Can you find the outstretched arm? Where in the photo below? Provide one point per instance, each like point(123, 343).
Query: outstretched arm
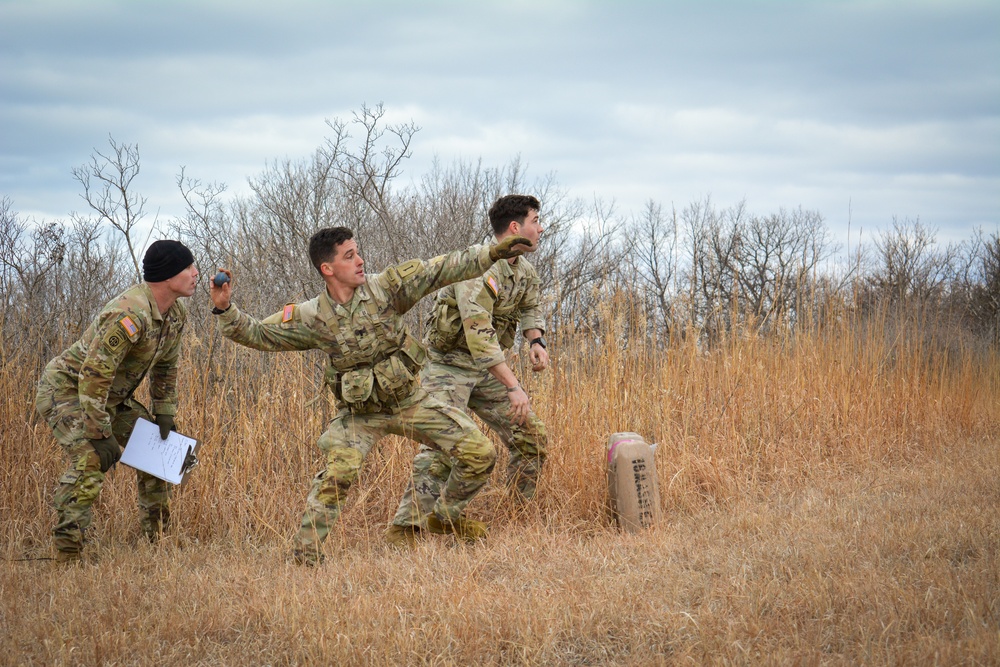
point(411, 281)
point(283, 331)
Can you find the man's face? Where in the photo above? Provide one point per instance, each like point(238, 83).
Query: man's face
point(531, 228)
point(347, 267)
point(185, 282)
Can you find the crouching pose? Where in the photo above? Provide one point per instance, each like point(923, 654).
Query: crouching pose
point(85, 394)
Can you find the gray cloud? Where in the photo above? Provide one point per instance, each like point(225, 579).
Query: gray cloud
point(888, 107)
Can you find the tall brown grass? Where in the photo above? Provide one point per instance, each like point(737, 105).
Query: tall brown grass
point(831, 497)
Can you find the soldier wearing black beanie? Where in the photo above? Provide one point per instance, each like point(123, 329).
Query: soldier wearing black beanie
point(91, 385)
point(164, 260)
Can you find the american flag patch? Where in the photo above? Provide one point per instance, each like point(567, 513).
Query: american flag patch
point(491, 282)
point(286, 314)
point(129, 326)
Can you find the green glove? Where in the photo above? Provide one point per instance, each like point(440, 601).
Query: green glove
point(166, 424)
point(511, 246)
point(108, 451)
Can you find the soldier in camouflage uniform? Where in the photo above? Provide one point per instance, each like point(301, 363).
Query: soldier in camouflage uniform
point(85, 394)
point(373, 371)
point(470, 327)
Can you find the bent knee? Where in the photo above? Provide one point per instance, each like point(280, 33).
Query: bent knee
point(477, 454)
point(80, 487)
point(343, 464)
point(431, 463)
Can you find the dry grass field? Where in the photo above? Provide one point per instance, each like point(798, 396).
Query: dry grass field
point(829, 498)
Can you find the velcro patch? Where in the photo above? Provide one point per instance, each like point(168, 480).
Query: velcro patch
point(397, 274)
point(491, 284)
point(288, 313)
point(407, 269)
point(114, 339)
point(130, 328)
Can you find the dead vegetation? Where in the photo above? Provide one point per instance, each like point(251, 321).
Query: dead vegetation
point(828, 452)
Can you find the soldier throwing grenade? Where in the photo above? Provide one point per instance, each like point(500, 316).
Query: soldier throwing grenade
point(373, 367)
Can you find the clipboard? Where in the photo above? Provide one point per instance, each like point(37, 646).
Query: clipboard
point(169, 460)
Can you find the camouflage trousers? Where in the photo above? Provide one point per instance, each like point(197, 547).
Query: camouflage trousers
point(422, 418)
point(487, 398)
point(80, 485)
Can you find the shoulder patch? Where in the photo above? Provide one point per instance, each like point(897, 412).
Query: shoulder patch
point(114, 339)
point(288, 313)
point(395, 275)
point(407, 269)
point(131, 330)
point(492, 286)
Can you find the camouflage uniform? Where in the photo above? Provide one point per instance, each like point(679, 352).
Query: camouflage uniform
point(86, 394)
point(373, 371)
point(467, 332)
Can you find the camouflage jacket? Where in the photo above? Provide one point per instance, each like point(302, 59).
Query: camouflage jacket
point(127, 338)
point(374, 362)
point(472, 323)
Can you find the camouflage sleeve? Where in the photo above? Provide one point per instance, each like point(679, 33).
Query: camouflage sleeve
point(110, 344)
point(531, 307)
point(410, 281)
point(475, 304)
point(163, 377)
point(281, 332)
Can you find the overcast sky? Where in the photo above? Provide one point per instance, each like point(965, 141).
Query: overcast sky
point(856, 109)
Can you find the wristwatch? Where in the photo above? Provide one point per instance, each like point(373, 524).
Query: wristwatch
point(537, 341)
point(219, 311)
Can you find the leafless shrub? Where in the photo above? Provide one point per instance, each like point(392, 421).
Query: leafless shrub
point(107, 188)
point(53, 279)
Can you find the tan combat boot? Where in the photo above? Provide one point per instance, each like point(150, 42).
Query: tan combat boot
point(307, 557)
point(403, 537)
point(467, 530)
point(69, 557)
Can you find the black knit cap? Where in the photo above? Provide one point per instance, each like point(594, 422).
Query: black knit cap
point(164, 260)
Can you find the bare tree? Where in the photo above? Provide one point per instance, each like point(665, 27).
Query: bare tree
point(746, 269)
point(585, 264)
point(652, 257)
point(367, 172)
point(107, 188)
point(976, 289)
point(26, 257)
point(776, 255)
point(713, 240)
point(908, 266)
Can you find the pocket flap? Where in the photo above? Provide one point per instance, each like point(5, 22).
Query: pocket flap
point(356, 385)
point(392, 374)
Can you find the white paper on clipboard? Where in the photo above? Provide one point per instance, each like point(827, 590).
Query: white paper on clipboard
point(164, 459)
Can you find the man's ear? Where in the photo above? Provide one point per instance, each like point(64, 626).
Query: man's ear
point(325, 269)
point(514, 227)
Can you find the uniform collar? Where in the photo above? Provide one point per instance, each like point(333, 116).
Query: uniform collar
point(328, 307)
point(507, 269)
point(154, 310)
point(361, 294)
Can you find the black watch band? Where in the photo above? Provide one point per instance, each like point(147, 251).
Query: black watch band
point(219, 311)
point(537, 341)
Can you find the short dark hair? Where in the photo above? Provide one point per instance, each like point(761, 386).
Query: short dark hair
point(509, 208)
point(323, 244)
